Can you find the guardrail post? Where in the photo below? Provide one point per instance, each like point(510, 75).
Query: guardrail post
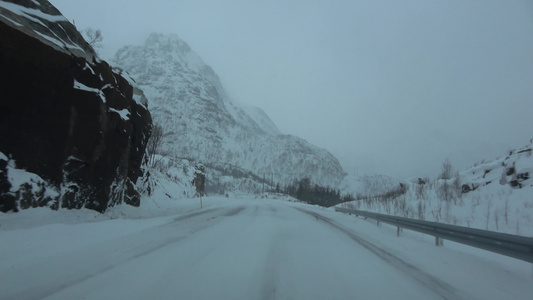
point(398, 231)
point(438, 241)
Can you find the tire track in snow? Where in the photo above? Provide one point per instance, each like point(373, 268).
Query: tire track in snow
point(129, 249)
point(276, 256)
point(270, 275)
point(439, 287)
point(193, 214)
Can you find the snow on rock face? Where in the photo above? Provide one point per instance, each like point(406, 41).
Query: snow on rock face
point(41, 20)
point(202, 124)
point(7, 200)
point(515, 169)
point(65, 117)
point(22, 189)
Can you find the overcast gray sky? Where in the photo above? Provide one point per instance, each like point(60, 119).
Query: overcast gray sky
point(389, 87)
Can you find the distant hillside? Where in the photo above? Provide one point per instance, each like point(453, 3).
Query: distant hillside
point(492, 194)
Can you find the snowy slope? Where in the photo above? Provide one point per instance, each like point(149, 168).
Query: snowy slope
point(203, 125)
point(492, 195)
point(515, 169)
point(239, 249)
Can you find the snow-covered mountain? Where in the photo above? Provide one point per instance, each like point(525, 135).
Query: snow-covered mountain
point(203, 125)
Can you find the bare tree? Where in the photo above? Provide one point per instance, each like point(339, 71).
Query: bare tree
point(421, 209)
point(446, 170)
point(94, 37)
point(155, 141)
point(489, 205)
point(420, 189)
point(506, 211)
point(457, 187)
point(446, 191)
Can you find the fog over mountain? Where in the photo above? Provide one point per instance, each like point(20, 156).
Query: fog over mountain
point(202, 124)
point(388, 87)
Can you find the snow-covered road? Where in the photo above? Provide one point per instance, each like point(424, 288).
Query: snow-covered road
point(245, 249)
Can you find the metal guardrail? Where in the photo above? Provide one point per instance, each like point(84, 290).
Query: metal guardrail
point(515, 246)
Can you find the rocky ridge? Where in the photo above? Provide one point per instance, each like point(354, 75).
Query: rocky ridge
point(72, 130)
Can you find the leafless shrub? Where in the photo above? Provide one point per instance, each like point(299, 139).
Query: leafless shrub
point(447, 210)
point(421, 210)
point(457, 188)
point(437, 212)
point(506, 211)
point(153, 146)
point(489, 205)
point(446, 170)
point(94, 37)
point(420, 191)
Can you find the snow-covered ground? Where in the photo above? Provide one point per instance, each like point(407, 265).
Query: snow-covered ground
point(239, 248)
point(498, 195)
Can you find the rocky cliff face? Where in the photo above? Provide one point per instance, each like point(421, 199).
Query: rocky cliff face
point(238, 145)
point(67, 118)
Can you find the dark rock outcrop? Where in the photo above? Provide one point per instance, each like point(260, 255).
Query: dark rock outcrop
point(7, 199)
point(65, 115)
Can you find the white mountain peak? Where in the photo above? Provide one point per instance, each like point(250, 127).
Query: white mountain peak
point(202, 123)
